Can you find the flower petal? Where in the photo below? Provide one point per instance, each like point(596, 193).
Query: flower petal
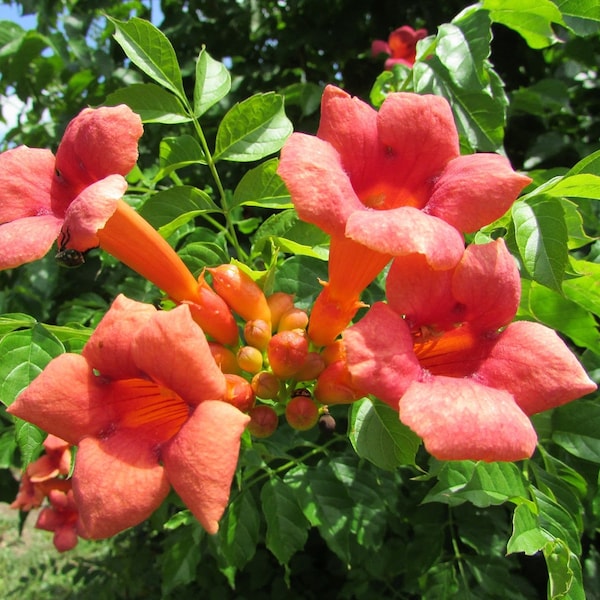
point(487, 282)
point(109, 348)
point(117, 483)
point(66, 399)
point(98, 143)
point(460, 419)
point(532, 363)
point(25, 182)
point(173, 350)
point(475, 190)
point(27, 239)
point(379, 354)
point(90, 211)
point(321, 191)
point(201, 459)
point(407, 230)
point(421, 293)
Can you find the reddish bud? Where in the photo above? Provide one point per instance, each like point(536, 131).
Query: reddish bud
point(250, 359)
point(224, 358)
point(266, 385)
point(239, 392)
point(241, 292)
point(334, 385)
point(279, 303)
point(334, 352)
point(257, 333)
point(287, 352)
point(294, 318)
point(263, 421)
point(312, 367)
point(302, 413)
point(213, 315)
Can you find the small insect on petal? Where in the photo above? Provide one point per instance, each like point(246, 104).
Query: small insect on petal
point(69, 258)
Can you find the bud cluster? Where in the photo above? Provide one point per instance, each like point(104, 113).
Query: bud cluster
point(273, 370)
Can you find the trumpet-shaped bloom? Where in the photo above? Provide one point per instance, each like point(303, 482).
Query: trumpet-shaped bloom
point(76, 198)
point(75, 192)
point(143, 403)
point(401, 46)
point(385, 184)
point(444, 353)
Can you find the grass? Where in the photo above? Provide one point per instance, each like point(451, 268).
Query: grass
point(32, 569)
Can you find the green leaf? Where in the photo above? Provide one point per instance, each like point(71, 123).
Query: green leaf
point(556, 520)
point(377, 434)
point(527, 536)
point(299, 275)
point(238, 534)
point(564, 572)
point(459, 70)
point(151, 51)
point(178, 152)
point(585, 289)
point(560, 313)
point(305, 95)
point(180, 559)
point(541, 236)
point(168, 209)
point(576, 428)
point(481, 484)
point(11, 321)
point(581, 16)
point(574, 221)
point(262, 186)
point(253, 129)
point(199, 255)
point(153, 103)
point(287, 527)
point(23, 356)
point(212, 83)
point(589, 164)
point(532, 19)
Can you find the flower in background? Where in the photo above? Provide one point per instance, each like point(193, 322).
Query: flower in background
point(144, 404)
point(60, 517)
point(443, 353)
point(401, 46)
point(385, 184)
point(44, 474)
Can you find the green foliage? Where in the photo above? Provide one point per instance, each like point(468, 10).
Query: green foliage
point(362, 511)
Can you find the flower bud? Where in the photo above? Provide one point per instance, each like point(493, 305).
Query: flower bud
point(250, 359)
point(312, 367)
point(302, 413)
point(241, 292)
point(266, 385)
point(334, 385)
point(287, 352)
point(333, 352)
point(239, 392)
point(294, 318)
point(263, 421)
point(257, 333)
point(224, 357)
point(279, 303)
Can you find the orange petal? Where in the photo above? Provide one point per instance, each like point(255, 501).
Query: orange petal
point(201, 459)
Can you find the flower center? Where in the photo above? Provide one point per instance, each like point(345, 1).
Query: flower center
point(447, 353)
point(384, 196)
point(146, 406)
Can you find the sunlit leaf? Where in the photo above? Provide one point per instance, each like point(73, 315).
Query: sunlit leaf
point(253, 129)
point(178, 152)
point(262, 186)
point(212, 83)
point(577, 429)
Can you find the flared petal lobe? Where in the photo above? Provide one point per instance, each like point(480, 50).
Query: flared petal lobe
point(97, 143)
point(201, 460)
point(460, 419)
point(117, 483)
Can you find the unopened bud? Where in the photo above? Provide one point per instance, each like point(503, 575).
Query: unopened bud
point(239, 392)
point(287, 352)
point(334, 385)
point(302, 413)
point(334, 352)
point(224, 358)
point(241, 292)
point(263, 421)
point(266, 385)
point(257, 333)
point(250, 359)
point(279, 303)
point(294, 318)
point(312, 367)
